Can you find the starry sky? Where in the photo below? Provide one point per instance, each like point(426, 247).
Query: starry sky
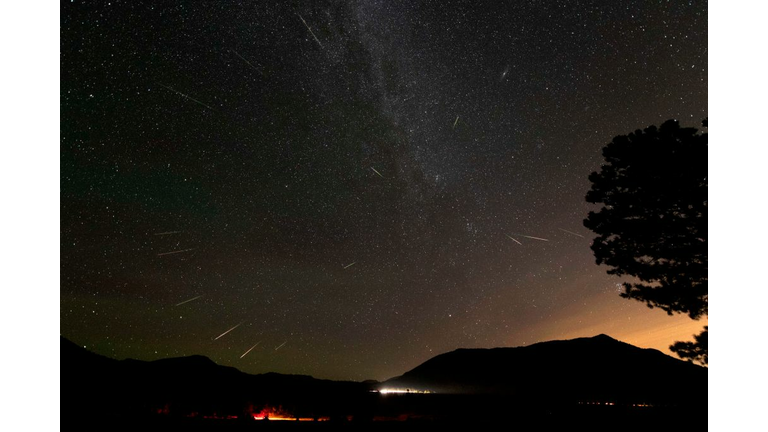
point(351, 187)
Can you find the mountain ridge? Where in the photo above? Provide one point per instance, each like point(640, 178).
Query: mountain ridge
point(560, 373)
point(598, 367)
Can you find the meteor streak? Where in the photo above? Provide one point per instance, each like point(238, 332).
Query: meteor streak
point(249, 63)
point(571, 232)
point(456, 122)
point(504, 74)
point(186, 96)
point(217, 338)
point(187, 301)
point(374, 170)
point(249, 349)
point(310, 30)
point(175, 252)
point(510, 237)
point(349, 265)
point(167, 233)
point(531, 237)
point(281, 345)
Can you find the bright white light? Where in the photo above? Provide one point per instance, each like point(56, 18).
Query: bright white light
point(388, 391)
point(397, 391)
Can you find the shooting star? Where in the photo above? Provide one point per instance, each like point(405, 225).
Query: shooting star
point(250, 349)
point(187, 301)
point(281, 345)
point(456, 122)
point(531, 237)
point(249, 63)
point(175, 252)
point(374, 170)
point(349, 265)
point(217, 338)
point(504, 74)
point(510, 237)
point(168, 233)
point(310, 31)
point(187, 96)
point(571, 232)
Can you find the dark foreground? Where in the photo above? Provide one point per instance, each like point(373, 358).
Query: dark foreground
point(528, 388)
point(412, 412)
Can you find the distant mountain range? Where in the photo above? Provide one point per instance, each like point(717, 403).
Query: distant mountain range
point(597, 370)
point(192, 386)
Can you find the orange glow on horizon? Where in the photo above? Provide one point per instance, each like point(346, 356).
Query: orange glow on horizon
point(269, 413)
point(627, 321)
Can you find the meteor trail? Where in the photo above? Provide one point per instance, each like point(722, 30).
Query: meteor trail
point(186, 96)
point(571, 232)
point(249, 63)
point(167, 233)
point(510, 237)
point(456, 122)
point(349, 265)
point(281, 345)
point(310, 30)
point(531, 237)
point(187, 301)
point(504, 74)
point(228, 331)
point(374, 170)
point(175, 252)
point(249, 349)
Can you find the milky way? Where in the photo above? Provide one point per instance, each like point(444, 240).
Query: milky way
point(246, 155)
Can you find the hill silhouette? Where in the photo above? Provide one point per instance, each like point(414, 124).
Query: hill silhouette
point(555, 382)
point(592, 369)
point(104, 388)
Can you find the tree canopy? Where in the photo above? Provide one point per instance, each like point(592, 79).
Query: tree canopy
point(653, 222)
point(695, 351)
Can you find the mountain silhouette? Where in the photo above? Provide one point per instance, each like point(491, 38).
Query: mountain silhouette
point(552, 382)
point(106, 389)
point(596, 369)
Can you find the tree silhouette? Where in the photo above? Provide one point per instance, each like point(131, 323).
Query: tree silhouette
point(696, 351)
point(653, 223)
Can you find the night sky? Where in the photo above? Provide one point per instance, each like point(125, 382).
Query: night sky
point(353, 186)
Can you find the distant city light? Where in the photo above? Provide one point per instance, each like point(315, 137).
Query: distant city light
point(399, 391)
